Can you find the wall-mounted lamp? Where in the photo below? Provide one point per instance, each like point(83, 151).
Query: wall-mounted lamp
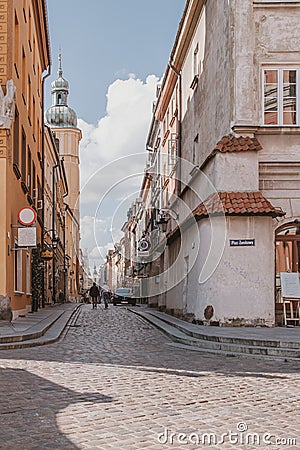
point(162, 221)
point(54, 242)
point(164, 217)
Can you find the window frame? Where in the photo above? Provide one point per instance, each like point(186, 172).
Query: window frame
point(280, 69)
point(18, 270)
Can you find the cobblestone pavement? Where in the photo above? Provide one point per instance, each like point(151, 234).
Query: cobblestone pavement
point(114, 382)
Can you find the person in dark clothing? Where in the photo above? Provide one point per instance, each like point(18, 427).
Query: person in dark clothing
point(106, 298)
point(94, 294)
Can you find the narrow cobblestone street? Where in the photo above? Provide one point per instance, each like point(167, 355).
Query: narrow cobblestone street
point(114, 381)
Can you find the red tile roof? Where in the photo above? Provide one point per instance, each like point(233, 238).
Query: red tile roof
point(230, 204)
point(237, 203)
point(230, 143)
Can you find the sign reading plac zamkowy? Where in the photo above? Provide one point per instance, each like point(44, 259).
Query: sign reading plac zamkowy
point(242, 242)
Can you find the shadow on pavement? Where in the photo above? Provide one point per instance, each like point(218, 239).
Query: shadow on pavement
point(28, 415)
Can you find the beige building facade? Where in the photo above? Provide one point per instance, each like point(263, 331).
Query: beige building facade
point(63, 122)
point(224, 152)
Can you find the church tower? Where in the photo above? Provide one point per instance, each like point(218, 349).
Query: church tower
point(63, 122)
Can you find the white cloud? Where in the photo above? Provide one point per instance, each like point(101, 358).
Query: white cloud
point(105, 164)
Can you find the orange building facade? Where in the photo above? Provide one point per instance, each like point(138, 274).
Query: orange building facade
point(24, 57)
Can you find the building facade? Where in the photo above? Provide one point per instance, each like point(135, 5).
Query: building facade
point(25, 56)
point(224, 154)
point(63, 122)
point(54, 231)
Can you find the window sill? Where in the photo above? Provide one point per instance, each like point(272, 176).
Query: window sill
point(194, 82)
point(18, 293)
point(24, 187)
point(278, 129)
point(266, 129)
point(17, 171)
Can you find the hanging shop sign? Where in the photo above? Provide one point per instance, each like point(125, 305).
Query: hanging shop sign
point(27, 216)
point(144, 245)
point(27, 237)
point(47, 255)
point(242, 242)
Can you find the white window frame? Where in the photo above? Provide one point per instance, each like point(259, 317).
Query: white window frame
point(28, 274)
point(280, 69)
point(18, 270)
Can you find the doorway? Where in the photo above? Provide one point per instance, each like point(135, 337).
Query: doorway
point(287, 259)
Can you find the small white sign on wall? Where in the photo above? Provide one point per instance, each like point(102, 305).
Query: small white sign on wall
point(290, 285)
point(27, 237)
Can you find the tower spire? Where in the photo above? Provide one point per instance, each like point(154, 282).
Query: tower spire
point(59, 64)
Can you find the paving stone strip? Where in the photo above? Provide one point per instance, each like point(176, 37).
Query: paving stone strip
point(114, 381)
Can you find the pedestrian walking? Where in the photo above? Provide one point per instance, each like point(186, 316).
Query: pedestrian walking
point(94, 294)
point(61, 296)
point(106, 298)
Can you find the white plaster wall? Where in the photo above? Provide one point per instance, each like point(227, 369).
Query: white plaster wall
point(277, 31)
point(189, 247)
point(206, 108)
point(242, 285)
point(242, 27)
point(234, 172)
point(279, 170)
point(188, 69)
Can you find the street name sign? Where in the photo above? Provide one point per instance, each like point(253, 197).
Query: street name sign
point(242, 242)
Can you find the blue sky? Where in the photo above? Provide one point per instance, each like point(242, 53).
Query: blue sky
point(103, 40)
point(114, 54)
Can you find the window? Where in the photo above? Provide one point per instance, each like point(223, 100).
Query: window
point(16, 138)
point(29, 29)
point(23, 75)
point(34, 190)
point(29, 181)
point(195, 68)
point(29, 98)
point(195, 155)
point(33, 117)
point(16, 44)
point(23, 160)
point(281, 100)
point(28, 274)
point(18, 269)
point(196, 61)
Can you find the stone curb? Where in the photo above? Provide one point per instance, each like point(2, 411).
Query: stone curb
point(183, 336)
point(50, 333)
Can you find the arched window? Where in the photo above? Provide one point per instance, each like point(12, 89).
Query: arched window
point(59, 99)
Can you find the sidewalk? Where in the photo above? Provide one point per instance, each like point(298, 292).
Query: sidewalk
point(42, 327)
point(279, 342)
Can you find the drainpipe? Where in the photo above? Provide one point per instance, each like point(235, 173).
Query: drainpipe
point(178, 73)
point(43, 175)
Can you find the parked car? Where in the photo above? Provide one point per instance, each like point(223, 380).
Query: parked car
point(123, 295)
